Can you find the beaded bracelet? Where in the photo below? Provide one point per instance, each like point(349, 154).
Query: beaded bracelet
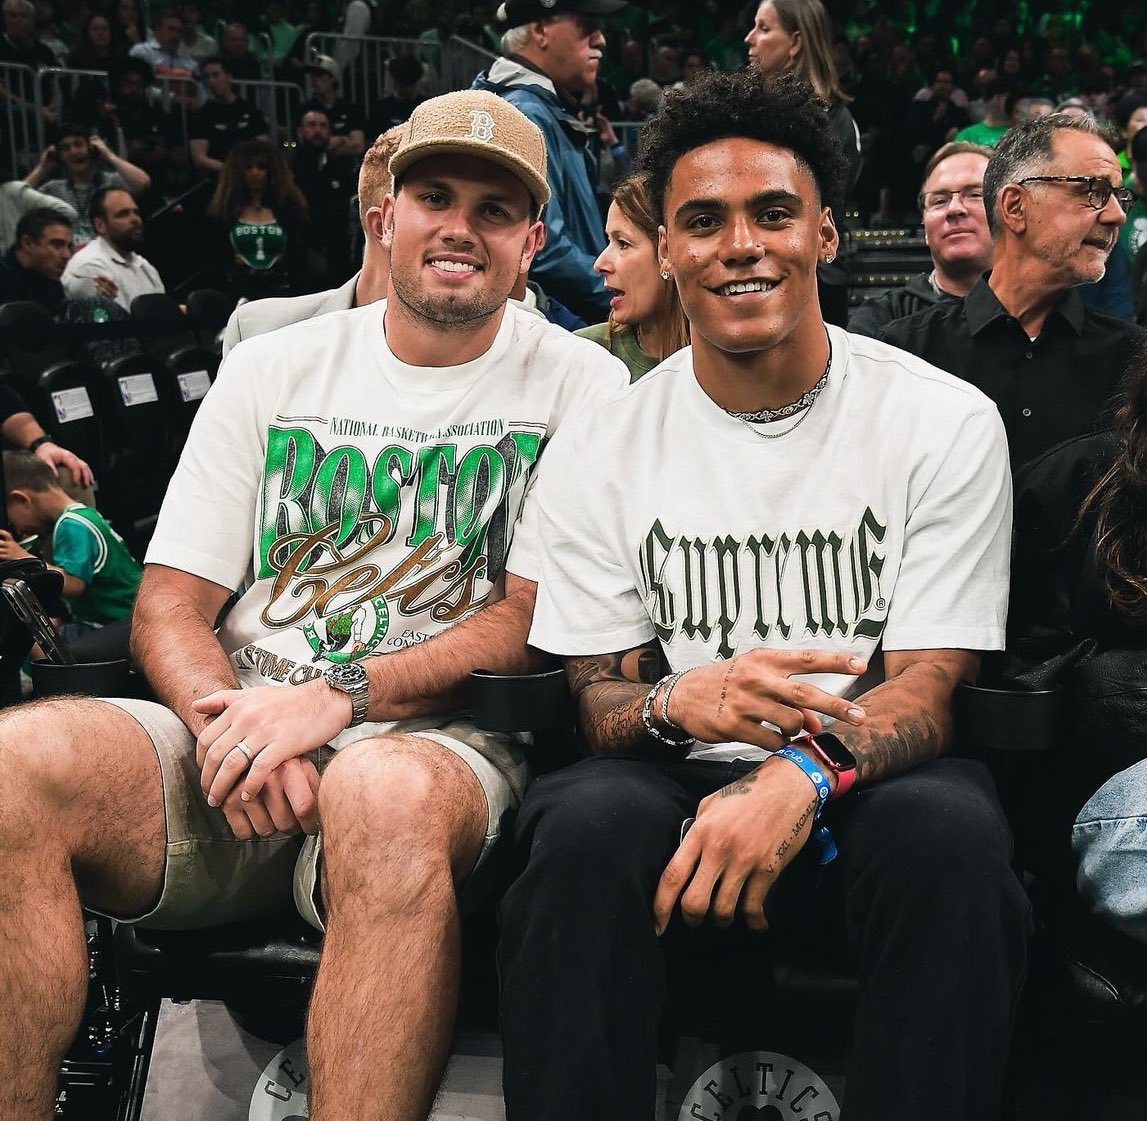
point(647, 713)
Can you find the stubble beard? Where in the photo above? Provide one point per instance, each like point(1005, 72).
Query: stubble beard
point(446, 313)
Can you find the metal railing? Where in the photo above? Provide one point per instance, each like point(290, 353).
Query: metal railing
point(279, 102)
point(462, 62)
point(22, 119)
point(362, 61)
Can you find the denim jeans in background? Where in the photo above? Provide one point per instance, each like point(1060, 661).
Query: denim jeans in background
point(1110, 838)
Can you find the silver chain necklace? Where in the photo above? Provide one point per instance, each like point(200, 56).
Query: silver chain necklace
point(805, 401)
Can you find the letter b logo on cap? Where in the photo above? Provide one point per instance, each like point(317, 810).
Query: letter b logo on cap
point(481, 126)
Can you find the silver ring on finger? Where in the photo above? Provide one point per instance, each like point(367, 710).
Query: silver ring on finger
point(242, 746)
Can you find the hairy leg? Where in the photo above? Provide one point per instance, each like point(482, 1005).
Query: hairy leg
point(81, 817)
point(403, 822)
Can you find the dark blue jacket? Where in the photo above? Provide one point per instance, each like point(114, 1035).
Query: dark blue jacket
point(575, 234)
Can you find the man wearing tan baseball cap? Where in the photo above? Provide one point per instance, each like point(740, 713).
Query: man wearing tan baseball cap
point(360, 475)
point(551, 50)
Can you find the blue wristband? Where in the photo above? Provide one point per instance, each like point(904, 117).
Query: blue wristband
point(819, 779)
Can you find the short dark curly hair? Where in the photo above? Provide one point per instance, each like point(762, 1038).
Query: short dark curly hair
point(776, 110)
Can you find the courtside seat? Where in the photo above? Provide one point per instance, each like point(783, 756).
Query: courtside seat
point(30, 340)
point(80, 418)
point(189, 373)
point(210, 308)
point(166, 327)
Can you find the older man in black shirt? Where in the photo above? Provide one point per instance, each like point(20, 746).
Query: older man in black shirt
point(32, 268)
point(1055, 202)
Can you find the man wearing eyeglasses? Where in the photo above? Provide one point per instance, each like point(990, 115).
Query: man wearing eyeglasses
point(956, 230)
point(1055, 202)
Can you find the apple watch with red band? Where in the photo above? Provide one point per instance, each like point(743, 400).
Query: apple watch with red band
point(837, 758)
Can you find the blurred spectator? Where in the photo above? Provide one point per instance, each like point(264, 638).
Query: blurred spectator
point(693, 65)
point(112, 266)
point(127, 25)
point(665, 66)
point(996, 121)
point(223, 121)
point(95, 49)
point(348, 135)
point(1012, 66)
point(48, 31)
point(644, 101)
point(981, 56)
point(169, 62)
point(235, 47)
point(1130, 116)
point(195, 41)
point(328, 184)
point(1074, 107)
point(980, 87)
point(78, 157)
point(1133, 235)
point(19, 44)
point(956, 230)
point(550, 52)
point(1058, 80)
point(18, 199)
point(151, 134)
point(936, 118)
point(632, 60)
point(32, 268)
point(795, 37)
point(1027, 107)
point(646, 323)
point(261, 223)
point(405, 73)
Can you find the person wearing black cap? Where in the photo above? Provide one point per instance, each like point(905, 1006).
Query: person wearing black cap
point(550, 53)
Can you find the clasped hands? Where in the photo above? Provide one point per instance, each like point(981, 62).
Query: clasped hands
point(746, 833)
point(251, 754)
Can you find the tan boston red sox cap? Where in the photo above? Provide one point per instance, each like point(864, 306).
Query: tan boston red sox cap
point(476, 123)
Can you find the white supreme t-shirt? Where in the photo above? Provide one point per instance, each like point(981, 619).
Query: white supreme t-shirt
point(882, 521)
point(361, 503)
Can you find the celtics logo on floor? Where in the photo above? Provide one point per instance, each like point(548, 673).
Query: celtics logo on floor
point(281, 1092)
point(345, 634)
point(758, 1086)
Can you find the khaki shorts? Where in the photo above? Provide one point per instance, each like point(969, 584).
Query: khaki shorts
point(211, 878)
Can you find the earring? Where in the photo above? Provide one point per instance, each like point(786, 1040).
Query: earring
point(830, 258)
point(665, 274)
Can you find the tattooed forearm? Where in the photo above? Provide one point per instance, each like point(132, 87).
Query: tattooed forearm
point(909, 716)
point(610, 689)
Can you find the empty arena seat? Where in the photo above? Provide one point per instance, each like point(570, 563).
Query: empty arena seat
point(80, 420)
point(30, 340)
point(165, 328)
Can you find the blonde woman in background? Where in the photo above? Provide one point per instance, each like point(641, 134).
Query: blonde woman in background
point(646, 323)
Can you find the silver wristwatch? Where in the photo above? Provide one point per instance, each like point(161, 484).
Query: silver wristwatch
point(351, 678)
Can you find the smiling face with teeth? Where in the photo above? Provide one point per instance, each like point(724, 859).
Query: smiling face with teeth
point(460, 233)
point(744, 229)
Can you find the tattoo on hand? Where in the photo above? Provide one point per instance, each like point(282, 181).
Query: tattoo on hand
point(809, 810)
point(782, 848)
point(724, 689)
point(740, 786)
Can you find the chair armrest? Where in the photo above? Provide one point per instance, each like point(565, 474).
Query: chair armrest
point(1007, 720)
point(530, 702)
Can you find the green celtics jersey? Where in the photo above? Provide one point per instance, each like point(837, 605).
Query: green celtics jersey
point(86, 547)
point(260, 245)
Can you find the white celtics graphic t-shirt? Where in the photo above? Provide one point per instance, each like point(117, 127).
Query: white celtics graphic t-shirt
point(882, 522)
point(363, 504)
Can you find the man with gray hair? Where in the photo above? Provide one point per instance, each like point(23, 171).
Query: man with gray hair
point(1055, 201)
point(551, 52)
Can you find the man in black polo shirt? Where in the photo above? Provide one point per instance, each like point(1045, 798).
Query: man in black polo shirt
point(32, 268)
point(1055, 202)
point(348, 134)
point(223, 121)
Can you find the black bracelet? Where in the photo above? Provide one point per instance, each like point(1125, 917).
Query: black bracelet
point(39, 442)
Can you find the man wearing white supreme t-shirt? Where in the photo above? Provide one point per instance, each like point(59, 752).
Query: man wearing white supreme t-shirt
point(358, 478)
point(782, 526)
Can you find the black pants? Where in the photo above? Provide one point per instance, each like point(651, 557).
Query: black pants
point(921, 895)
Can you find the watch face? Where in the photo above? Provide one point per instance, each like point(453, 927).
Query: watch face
point(834, 751)
point(348, 673)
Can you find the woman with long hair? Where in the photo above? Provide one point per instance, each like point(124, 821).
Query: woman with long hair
point(261, 217)
point(646, 323)
point(795, 37)
point(95, 48)
point(1078, 620)
point(127, 24)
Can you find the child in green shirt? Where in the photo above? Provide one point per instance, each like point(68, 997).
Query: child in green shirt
point(100, 575)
